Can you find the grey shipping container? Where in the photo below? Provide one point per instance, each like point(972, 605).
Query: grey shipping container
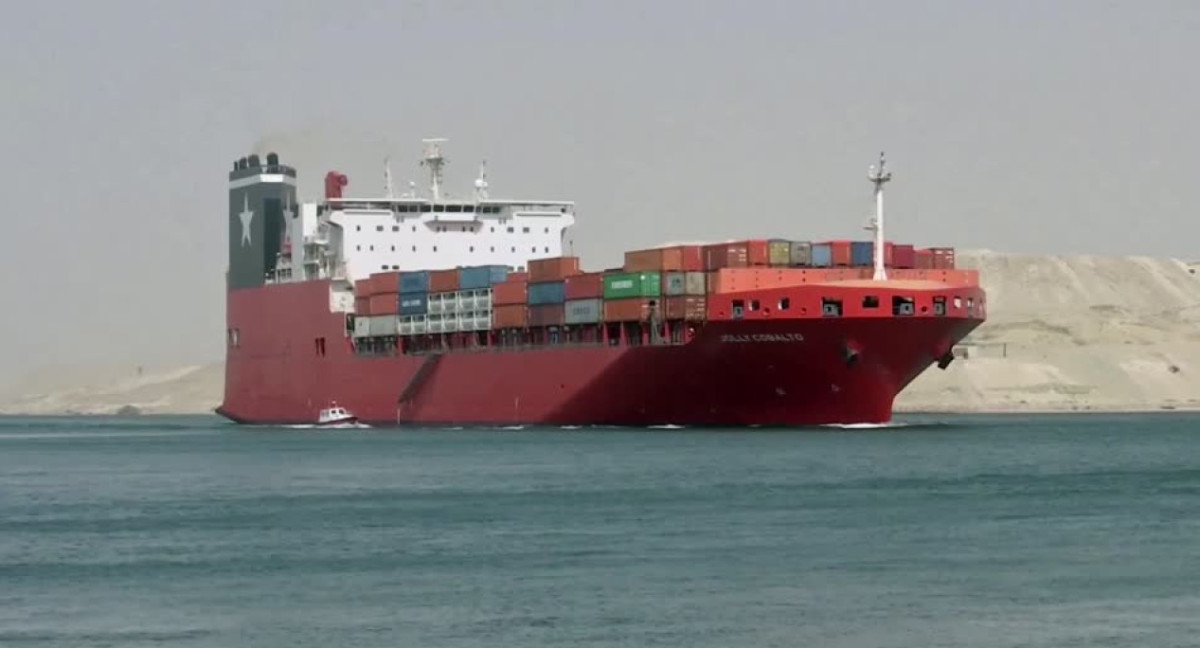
point(694, 284)
point(674, 283)
point(801, 253)
point(385, 325)
point(584, 311)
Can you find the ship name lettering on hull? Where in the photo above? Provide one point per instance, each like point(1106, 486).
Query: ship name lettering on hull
point(763, 337)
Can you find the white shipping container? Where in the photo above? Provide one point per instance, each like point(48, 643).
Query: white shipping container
point(362, 326)
point(584, 311)
point(382, 325)
point(694, 283)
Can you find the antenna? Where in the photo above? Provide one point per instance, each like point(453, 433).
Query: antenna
point(878, 176)
point(387, 178)
point(481, 183)
point(435, 162)
point(412, 190)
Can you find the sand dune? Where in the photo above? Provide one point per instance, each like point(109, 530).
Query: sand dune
point(1074, 333)
point(1063, 333)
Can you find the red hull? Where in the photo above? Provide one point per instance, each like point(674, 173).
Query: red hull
point(753, 371)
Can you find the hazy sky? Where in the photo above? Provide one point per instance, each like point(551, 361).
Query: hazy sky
point(1027, 126)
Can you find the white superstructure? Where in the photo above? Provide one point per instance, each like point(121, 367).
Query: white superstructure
point(350, 238)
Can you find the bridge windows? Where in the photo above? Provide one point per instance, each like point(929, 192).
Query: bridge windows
point(379, 228)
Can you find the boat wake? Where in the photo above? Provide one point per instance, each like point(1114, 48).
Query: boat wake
point(868, 426)
point(333, 426)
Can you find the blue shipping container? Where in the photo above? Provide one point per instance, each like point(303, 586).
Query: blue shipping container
point(862, 253)
point(414, 304)
point(822, 255)
point(481, 277)
point(550, 292)
point(414, 282)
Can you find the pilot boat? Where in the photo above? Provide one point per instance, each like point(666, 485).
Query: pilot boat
point(336, 415)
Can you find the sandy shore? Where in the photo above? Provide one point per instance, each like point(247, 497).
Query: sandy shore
point(1064, 334)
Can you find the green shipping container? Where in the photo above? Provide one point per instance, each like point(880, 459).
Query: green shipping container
point(779, 253)
point(632, 284)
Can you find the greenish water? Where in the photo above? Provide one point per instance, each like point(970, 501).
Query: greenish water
point(971, 531)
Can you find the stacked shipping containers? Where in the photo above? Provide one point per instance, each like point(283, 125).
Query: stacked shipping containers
point(554, 292)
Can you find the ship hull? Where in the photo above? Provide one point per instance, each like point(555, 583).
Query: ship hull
point(293, 356)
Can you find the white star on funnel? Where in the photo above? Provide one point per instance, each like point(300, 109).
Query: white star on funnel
point(247, 217)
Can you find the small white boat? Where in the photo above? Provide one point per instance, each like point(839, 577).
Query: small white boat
point(336, 415)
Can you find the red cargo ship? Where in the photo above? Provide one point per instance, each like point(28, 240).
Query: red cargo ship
point(429, 310)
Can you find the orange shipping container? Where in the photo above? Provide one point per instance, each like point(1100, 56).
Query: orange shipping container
point(443, 280)
point(627, 310)
point(691, 309)
point(556, 269)
point(510, 293)
point(546, 315)
point(362, 287)
point(517, 276)
point(362, 305)
point(510, 316)
point(585, 286)
point(691, 258)
point(385, 304)
point(654, 260)
point(758, 253)
point(383, 283)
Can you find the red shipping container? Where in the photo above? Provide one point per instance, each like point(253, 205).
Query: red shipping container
point(691, 258)
point(924, 259)
point(517, 276)
point(547, 315)
point(362, 287)
point(758, 253)
point(510, 293)
point(943, 258)
point(443, 280)
point(510, 316)
point(904, 256)
point(383, 283)
point(385, 304)
point(589, 285)
point(726, 255)
point(627, 310)
point(556, 269)
point(654, 260)
point(691, 309)
point(362, 305)
point(840, 251)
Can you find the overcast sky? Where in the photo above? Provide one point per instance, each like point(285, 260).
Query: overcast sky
point(1028, 126)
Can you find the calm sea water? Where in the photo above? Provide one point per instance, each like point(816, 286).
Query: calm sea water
point(979, 531)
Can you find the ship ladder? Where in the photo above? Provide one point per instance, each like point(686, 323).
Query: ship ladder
point(413, 388)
